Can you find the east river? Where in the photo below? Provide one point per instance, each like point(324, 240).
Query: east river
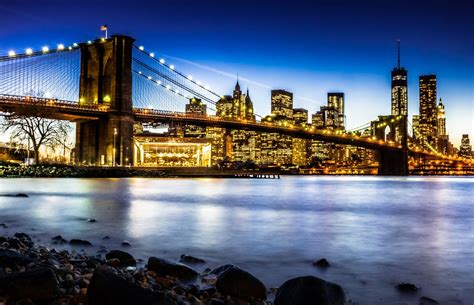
point(374, 231)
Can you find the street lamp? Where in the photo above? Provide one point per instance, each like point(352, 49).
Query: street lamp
point(113, 157)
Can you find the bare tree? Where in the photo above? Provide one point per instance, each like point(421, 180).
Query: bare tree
point(38, 129)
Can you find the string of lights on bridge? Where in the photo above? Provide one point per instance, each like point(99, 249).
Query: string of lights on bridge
point(60, 47)
point(172, 68)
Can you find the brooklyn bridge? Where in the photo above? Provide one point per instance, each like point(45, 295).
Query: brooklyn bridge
point(109, 86)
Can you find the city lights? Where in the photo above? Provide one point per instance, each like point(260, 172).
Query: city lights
point(29, 51)
point(45, 49)
point(60, 47)
point(11, 53)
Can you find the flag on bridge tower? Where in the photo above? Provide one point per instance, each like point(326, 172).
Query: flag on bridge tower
point(104, 28)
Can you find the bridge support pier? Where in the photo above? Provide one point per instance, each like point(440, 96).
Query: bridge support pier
point(393, 163)
point(106, 79)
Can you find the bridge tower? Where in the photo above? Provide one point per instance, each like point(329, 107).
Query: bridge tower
point(392, 162)
point(106, 78)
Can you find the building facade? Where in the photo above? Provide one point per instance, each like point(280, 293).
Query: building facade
point(399, 88)
point(428, 108)
point(465, 150)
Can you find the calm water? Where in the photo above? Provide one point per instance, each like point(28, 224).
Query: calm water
point(374, 231)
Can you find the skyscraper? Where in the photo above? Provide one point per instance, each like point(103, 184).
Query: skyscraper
point(441, 119)
point(282, 103)
point(336, 101)
point(399, 88)
point(428, 108)
point(465, 150)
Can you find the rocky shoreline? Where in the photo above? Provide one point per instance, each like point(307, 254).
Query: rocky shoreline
point(36, 275)
point(32, 274)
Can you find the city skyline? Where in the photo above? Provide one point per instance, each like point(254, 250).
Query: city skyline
point(318, 64)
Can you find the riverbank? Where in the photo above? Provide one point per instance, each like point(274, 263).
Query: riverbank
point(37, 275)
point(65, 171)
point(34, 274)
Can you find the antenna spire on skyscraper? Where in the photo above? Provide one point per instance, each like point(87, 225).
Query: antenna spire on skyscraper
point(398, 46)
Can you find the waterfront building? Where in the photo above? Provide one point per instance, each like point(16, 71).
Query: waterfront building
point(158, 150)
point(465, 150)
point(428, 108)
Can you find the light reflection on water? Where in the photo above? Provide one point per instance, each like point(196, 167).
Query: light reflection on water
point(374, 231)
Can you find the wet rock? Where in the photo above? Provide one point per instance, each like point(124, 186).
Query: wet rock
point(23, 236)
point(165, 267)
point(91, 220)
point(125, 258)
point(407, 287)
point(309, 290)
point(38, 285)
point(238, 283)
point(215, 301)
point(108, 288)
point(3, 226)
point(114, 262)
point(80, 242)
point(221, 269)
point(106, 237)
point(11, 259)
point(21, 195)
point(188, 259)
point(428, 301)
point(59, 240)
point(126, 244)
point(322, 263)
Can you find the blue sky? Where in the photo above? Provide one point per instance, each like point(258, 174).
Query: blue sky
point(307, 47)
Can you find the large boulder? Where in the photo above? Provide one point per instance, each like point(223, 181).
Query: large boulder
point(164, 267)
point(309, 290)
point(238, 283)
point(108, 288)
point(125, 258)
point(39, 285)
point(12, 259)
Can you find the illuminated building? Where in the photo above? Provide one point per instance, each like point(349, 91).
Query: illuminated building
point(465, 150)
point(162, 151)
point(399, 88)
point(300, 116)
point(331, 116)
point(275, 148)
point(443, 138)
point(239, 106)
point(428, 108)
point(282, 104)
point(336, 101)
point(197, 108)
point(300, 146)
point(441, 119)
